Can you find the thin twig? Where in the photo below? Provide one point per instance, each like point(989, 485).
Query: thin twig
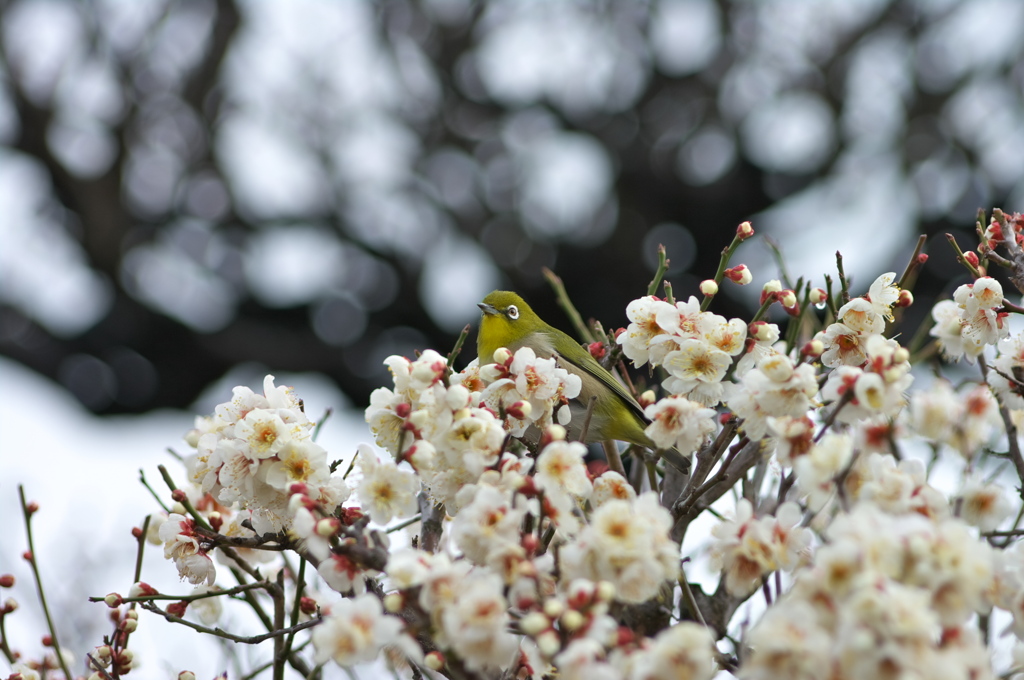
point(33, 562)
point(565, 303)
point(251, 640)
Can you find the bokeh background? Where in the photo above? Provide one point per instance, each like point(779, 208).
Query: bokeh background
point(196, 192)
point(189, 186)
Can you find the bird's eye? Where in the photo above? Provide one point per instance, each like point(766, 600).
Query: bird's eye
point(512, 311)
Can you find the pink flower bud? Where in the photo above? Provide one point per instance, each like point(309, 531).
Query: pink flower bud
point(178, 496)
point(647, 398)
point(744, 231)
point(7, 581)
point(597, 350)
point(113, 600)
point(31, 507)
point(708, 287)
point(47, 641)
point(759, 331)
point(813, 348)
point(520, 410)
point(142, 588)
point(787, 298)
point(972, 258)
point(905, 299)
point(817, 297)
point(307, 606)
point(177, 609)
point(740, 274)
point(402, 410)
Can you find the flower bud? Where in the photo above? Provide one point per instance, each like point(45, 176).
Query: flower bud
point(502, 356)
point(708, 287)
point(177, 609)
point(307, 606)
point(113, 600)
point(788, 299)
point(744, 231)
point(31, 507)
point(905, 299)
point(740, 274)
point(132, 614)
point(434, 661)
point(648, 398)
point(328, 526)
point(572, 620)
point(179, 496)
point(393, 602)
point(605, 591)
point(813, 348)
point(972, 258)
point(817, 297)
point(553, 433)
point(597, 350)
point(534, 623)
point(47, 641)
point(549, 644)
point(142, 588)
point(10, 605)
point(554, 608)
point(178, 508)
point(491, 372)
point(759, 331)
point(520, 410)
point(186, 675)
point(777, 367)
point(129, 625)
point(773, 286)
point(7, 581)
point(103, 654)
point(900, 355)
point(215, 520)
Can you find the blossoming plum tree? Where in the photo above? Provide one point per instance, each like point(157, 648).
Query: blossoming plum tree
point(476, 541)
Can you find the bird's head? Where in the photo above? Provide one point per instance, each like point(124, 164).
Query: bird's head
point(505, 322)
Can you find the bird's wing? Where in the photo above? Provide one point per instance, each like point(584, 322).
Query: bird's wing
point(583, 360)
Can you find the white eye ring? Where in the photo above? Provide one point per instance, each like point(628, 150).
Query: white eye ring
point(512, 311)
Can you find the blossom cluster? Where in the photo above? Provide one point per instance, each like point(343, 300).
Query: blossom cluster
point(518, 553)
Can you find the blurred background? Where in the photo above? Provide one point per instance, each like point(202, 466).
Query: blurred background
point(189, 186)
point(196, 192)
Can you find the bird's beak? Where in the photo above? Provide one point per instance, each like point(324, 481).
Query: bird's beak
point(486, 308)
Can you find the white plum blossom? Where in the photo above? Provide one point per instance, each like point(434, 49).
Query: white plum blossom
point(775, 388)
point(817, 470)
point(628, 544)
point(476, 623)
point(643, 327)
point(677, 422)
point(560, 468)
point(685, 651)
point(611, 486)
point(385, 491)
point(355, 631)
point(971, 320)
point(181, 541)
point(876, 389)
point(748, 548)
point(984, 505)
point(489, 523)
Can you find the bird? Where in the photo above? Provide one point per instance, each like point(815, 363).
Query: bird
point(508, 321)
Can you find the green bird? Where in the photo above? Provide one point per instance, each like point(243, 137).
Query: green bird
point(507, 321)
